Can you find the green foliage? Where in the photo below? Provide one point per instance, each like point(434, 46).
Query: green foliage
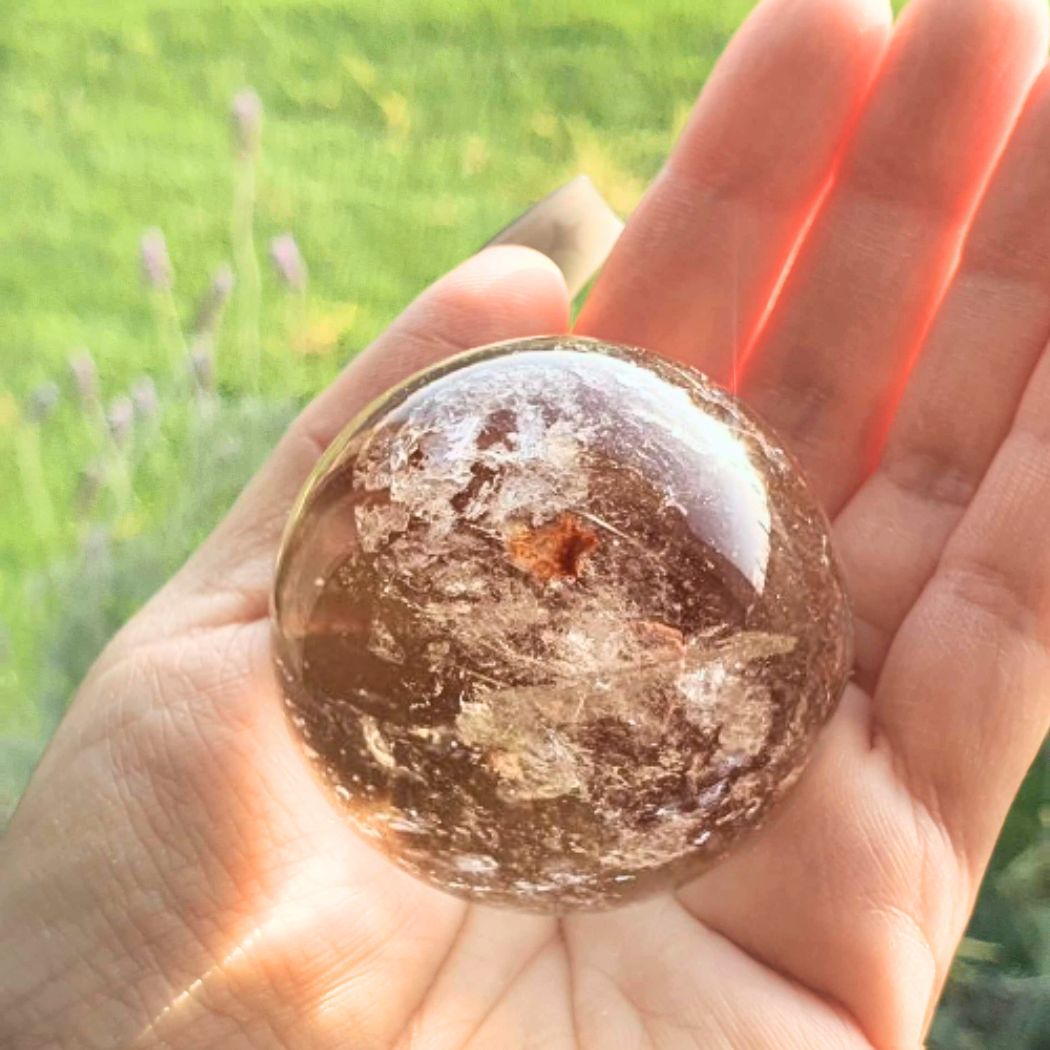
point(999, 991)
point(397, 138)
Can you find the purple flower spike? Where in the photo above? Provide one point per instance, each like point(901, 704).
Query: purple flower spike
point(288, 262)
point(144, 399)
point(85, 378)
point(153, 256)
point(42, 402)
point(121, 418)
point(214, 301)
point(246, 121)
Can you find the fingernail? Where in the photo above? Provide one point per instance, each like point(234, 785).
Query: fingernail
point(573, 226)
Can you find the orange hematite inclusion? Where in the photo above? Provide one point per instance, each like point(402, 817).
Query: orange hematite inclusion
point(552, 551)
point(557, 622)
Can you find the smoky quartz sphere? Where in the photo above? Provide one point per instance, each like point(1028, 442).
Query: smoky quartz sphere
point(557, 622)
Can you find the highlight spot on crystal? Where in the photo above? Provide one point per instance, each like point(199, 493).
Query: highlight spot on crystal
point(557, 622)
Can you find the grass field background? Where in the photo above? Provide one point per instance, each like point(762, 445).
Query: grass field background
point(397, 137)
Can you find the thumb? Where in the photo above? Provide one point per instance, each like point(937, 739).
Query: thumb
point(503, 292)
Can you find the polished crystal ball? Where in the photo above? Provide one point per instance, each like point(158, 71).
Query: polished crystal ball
point(557, 623)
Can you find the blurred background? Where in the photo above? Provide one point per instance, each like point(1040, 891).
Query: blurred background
point(209, 207)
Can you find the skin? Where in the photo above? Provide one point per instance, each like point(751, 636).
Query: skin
point(175, 878)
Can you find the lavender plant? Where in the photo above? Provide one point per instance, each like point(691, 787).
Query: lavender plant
point(291, 271)
point(144, 400)
point(162, 459)
point(246, 124)
point(159, 278)
point(84, 373)
point(213, 303)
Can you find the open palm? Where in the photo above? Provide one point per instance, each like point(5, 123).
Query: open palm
point(174, 875)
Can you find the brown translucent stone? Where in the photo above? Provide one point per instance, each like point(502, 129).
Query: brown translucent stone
point(557, 622)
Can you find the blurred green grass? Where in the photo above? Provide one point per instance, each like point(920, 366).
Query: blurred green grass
point(397, 138)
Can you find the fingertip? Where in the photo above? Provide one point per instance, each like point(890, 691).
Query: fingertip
point(1013, 28)
point(508, 263)
point(855, 14)
point(508, 287)
point(786, 88)
point(844, 16)
point(879, 12)
point(1031, 19)
point(498, 259)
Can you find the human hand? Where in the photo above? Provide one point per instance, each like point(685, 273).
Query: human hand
point(175, 877)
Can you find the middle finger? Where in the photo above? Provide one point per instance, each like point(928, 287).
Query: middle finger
point(826, 369)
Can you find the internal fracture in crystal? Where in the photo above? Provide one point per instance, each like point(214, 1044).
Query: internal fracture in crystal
point(557, 622)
